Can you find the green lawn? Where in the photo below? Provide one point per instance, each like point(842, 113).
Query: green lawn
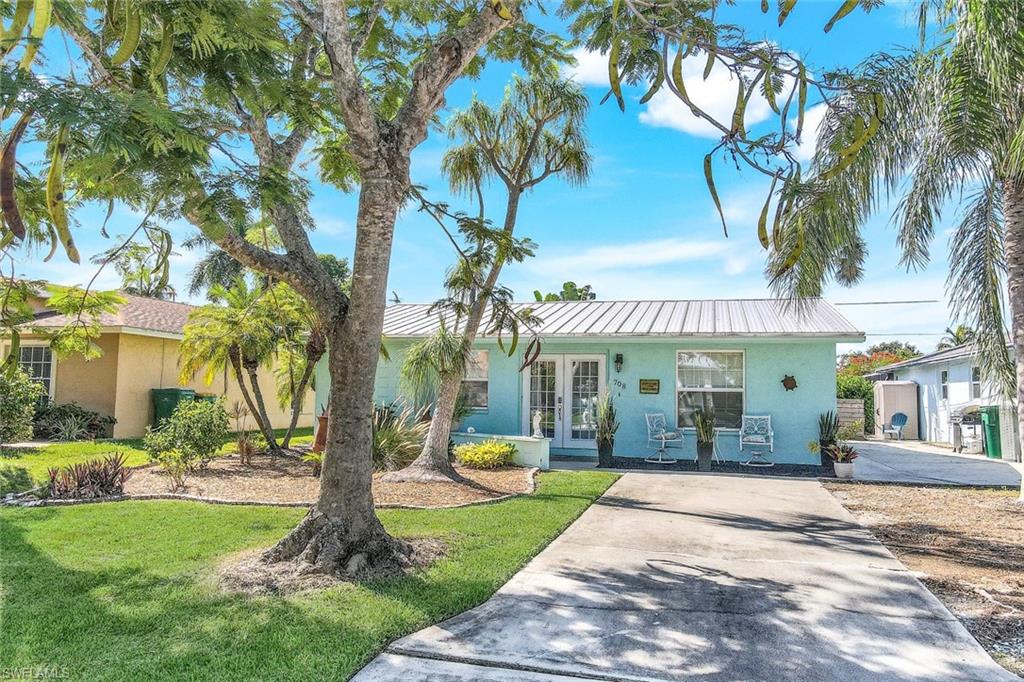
point(24, 468)
point(124, 591)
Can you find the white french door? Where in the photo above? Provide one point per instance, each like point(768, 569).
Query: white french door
point(564, 390)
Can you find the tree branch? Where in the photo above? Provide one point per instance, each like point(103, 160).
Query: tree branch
point(364, 34)
point(440, 67)
point(356, 108)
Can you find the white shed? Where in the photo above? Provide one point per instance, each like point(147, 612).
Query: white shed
point(949, 381)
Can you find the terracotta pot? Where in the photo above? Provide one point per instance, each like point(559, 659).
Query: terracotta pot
point(705, 451)
point(320, 441)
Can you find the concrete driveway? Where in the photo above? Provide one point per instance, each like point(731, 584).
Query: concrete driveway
point(673, 576)
point(912, 462)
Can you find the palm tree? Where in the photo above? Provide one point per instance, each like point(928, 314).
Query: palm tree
point(940, 124)
point(242, 334)
point(956, 337)
point(535, 133)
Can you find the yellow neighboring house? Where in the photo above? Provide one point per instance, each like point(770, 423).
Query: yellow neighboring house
point(140, 344)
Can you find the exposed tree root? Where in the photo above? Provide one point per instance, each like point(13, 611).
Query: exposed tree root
point(420, 472)
point(318, 545)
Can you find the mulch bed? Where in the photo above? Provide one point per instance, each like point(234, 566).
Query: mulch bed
point(791, 470)
point(286, 480)
point(968, 546)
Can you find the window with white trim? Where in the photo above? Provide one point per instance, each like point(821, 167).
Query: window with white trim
point(37, 363)
point(474, 385)
point(944, 384)
point(975, 383)
point(709, 380)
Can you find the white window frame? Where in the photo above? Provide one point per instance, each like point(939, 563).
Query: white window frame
point(53, 364)
point(975, 383)
point(944, 384)
point(485, 381)
point(742, 391)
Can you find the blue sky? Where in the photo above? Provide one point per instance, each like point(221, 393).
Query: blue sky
point(644, 226)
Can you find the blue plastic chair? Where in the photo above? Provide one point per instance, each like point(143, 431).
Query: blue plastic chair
point(899, 420)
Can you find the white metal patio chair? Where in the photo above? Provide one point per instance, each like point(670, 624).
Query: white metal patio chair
point(659, 437)
point(756, 430)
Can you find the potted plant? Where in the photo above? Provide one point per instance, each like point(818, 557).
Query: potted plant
point(320, 440)
point(842, 456)
point(704, 423)
point(828, 428)
point(606, 428)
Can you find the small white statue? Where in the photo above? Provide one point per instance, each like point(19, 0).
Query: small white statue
point(537, 419)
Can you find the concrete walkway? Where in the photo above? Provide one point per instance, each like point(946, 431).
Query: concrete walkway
point(921, 463)
point(702, 577)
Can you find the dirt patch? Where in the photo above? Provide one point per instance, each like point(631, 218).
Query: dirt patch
point(968, 546)
point(286, 480)
point(246, 574)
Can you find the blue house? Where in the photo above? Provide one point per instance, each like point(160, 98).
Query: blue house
point(655, 357)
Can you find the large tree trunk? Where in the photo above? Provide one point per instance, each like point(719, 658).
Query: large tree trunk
point(1013, 213)
point(432, 464)
point(342, 534)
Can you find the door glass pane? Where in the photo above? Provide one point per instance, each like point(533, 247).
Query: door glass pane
point(542, 395)
point(584, 395)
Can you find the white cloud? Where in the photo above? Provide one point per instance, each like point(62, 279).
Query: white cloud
point(591, 67)
point(813, 116)
point(736, 265)
point(332, 226)
point(716, 96)
point(632, 255)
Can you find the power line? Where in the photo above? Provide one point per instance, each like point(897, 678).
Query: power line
point(931, 300)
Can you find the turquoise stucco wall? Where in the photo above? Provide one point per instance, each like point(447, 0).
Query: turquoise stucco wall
point(794, 413)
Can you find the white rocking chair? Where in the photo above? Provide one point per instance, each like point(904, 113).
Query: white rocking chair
point(756, 431)
point(659, 437)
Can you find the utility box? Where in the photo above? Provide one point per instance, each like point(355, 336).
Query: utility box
point(165, 400)
point(897, 396)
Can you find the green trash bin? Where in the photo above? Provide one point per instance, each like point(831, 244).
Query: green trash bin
point(166, 399)
point(990, 424)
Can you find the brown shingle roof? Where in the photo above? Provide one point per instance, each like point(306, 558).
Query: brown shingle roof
point(137, 312)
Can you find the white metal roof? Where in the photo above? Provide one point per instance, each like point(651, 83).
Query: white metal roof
point(696, 318)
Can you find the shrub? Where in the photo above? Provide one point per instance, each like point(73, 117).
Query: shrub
point(70, 421)
point(316, 459)
point(95, 478)
point(842, 452)
point(852, 431)
point(19, 396)
point(189, 439)
point(398, 435)
point(490, 454)
point(857, 387)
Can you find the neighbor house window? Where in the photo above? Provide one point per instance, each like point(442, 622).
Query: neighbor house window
point(37, 363)
point(944, 384)
point(710, 380)
point(474, 386)
point(975, 382)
